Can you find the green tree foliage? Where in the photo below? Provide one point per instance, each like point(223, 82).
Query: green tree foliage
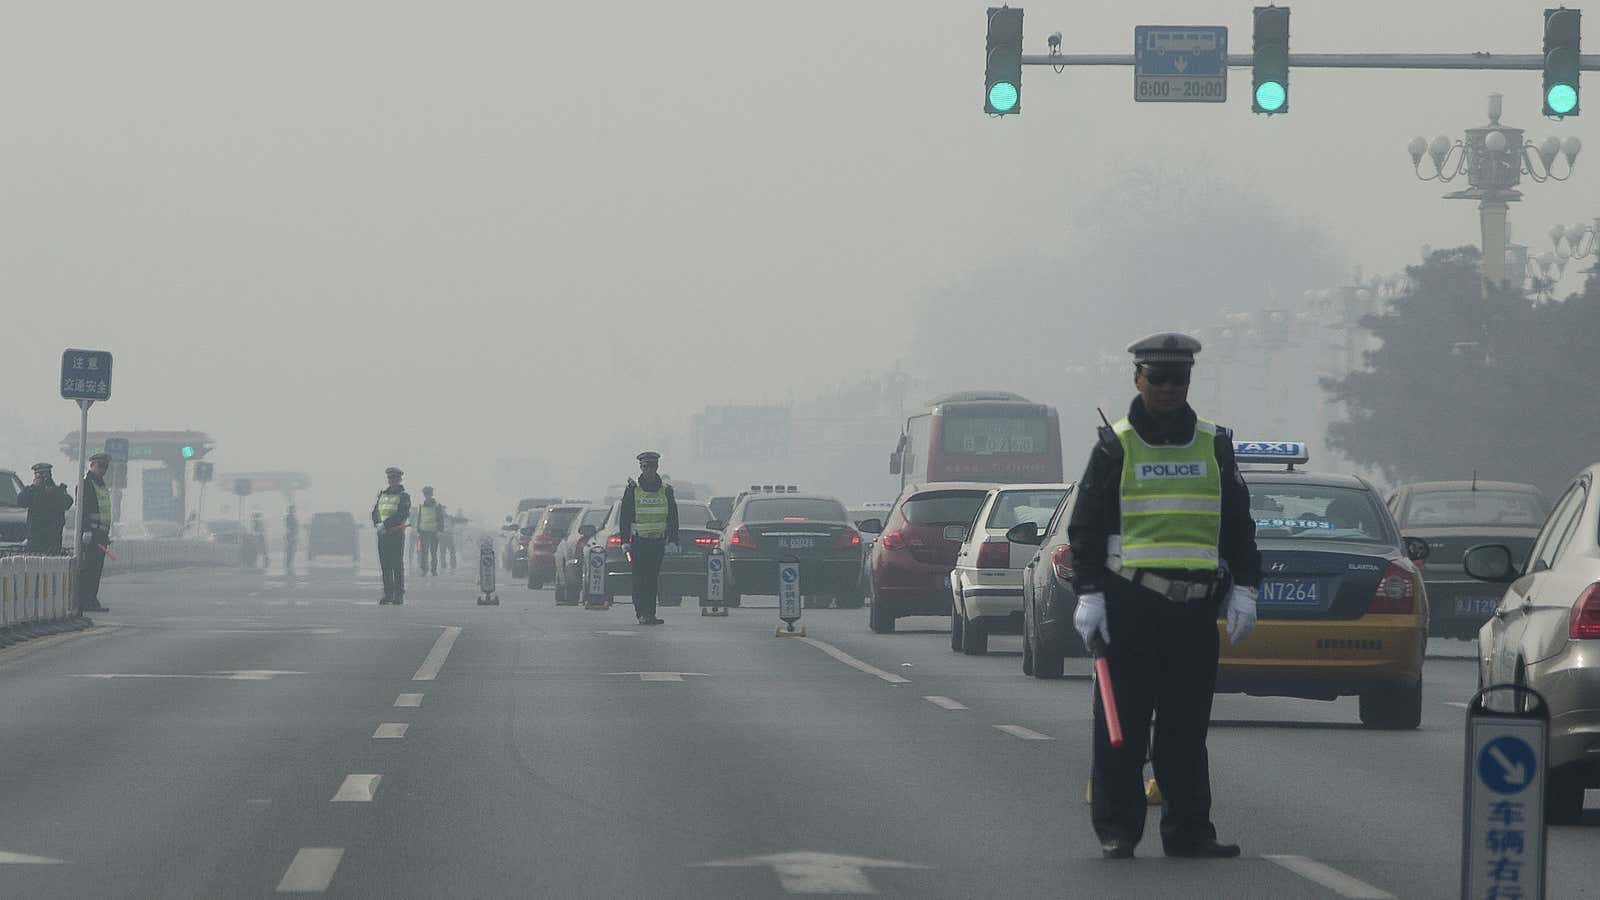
point(1464, 382)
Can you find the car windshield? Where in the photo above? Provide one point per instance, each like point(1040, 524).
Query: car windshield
point(942, 507)
point(558, 519)
point(808, 509)
point(1317, 512)
point(1012, 508)
point(9, 487)
point(1456, 508)
point(693, 515)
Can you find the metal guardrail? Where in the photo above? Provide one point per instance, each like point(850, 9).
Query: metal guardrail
point(148, 555)
point(36, 597)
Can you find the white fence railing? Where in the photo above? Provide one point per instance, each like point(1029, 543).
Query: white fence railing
point(35, 590)
point(140, 555)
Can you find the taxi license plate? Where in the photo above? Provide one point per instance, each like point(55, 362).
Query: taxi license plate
point(797, 543)
point(1290, 591)
point(1476, 606)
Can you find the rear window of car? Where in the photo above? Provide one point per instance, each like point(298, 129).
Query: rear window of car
point(942, 507)
point(1317, 512)
point(802, 508)
point(693, 515)
point(558, 518)
point(1455, 508)
point(1012, 508)
point(595, 517)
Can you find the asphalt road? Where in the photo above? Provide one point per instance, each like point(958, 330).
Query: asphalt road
point(234, 735)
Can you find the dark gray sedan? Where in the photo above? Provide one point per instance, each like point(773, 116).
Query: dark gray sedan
point(1047, 598)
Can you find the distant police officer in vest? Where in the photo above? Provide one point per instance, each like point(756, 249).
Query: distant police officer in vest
point(1161, 522)
point(96, 499)
point(291, 536)
point(390, 515)
point(430, 522)
point(47, 504)
point(649, 528)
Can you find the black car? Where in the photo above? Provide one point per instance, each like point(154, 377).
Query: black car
point(682, 574)
point(1453, 516)
point(13, 518)
point(333, 534)
point(1048, 601)
point(765, 529)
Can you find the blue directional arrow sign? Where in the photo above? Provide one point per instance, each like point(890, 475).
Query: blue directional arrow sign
point(1180, 63)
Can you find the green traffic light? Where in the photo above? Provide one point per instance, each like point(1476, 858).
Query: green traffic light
point(1003, 96)
point(188, 452)
point(1270, 96)
point(1561, 98)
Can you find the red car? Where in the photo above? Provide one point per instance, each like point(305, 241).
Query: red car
point(551, 527)
point(911, 560)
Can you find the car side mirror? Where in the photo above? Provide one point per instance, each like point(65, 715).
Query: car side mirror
point(508, 527)
point(870, 526)
point(1024, 533)
point(1490, 562)
point(894, 463)
point(955, 533)
point(588, 531)
point(714, 525)
point(1417, 549)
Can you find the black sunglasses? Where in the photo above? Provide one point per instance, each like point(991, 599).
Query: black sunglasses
point(1163, 377)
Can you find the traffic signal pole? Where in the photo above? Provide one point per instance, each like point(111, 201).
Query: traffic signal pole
point(1588, 62)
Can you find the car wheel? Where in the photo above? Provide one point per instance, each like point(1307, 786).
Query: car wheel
point(974, 638)
point(812, 601)
point(851, 600)
point(880, 618)
point(1393, 707)
point(731, 596)
point(1027, 653)
point(672, 600)
point(1563, 795)
point(956, 627)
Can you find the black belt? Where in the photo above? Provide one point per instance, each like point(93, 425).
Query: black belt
point(1178, 590)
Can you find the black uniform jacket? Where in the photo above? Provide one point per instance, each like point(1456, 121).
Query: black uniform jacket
point(47, 506)
point(401, 512)
point(1098, 512)
point(625, 518)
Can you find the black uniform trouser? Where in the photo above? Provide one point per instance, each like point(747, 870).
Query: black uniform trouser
point(392, 560)
point(647, 553)
point(430, 551)
point(90, 566)
point(447, 549)
point(288, 554)
point(1163, 659)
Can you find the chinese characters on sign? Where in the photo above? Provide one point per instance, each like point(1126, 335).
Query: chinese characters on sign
point(85, 375)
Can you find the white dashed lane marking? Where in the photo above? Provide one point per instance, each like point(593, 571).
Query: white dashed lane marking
point(1330, 878)
point(661, 676)
point(311, 871)
point(1027, 734)
point(408, 700)
point(945, 702)
point(854, 663)
point(391, 730)
point(441, 648)
point(357, 789)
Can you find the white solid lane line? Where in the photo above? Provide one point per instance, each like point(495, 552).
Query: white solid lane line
point(1330, 878)
point(408, 700)
point(661, 676)
point(357, 789)
point(1456, 703)
point(26, 859)
point(311, 871)
point(1027, 734)
point(854, 663)
point(391, 730)
point(441, 648)
point(945, 703)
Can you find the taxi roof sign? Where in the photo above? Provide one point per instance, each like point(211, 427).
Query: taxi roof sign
point(1290, 453)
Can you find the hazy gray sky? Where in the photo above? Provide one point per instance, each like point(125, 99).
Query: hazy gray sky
point(340, 236)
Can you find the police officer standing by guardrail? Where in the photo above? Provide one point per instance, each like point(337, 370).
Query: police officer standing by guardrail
point(47, 504)
point(96, 533)
point(648, 523)
point(1162, 518)
point(390, 514)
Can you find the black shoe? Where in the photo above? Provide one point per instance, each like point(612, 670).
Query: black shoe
point(654, 621)
point(1117, 849)
point(96, 608)
point(1204, 850)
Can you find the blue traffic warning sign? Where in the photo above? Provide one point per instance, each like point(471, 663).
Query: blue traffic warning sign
point(1507, 764)
point(790, 574)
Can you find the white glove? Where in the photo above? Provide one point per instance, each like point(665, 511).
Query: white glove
point(627, 548)
point(674, 549)
point(1090, 618)
point(1241, 613)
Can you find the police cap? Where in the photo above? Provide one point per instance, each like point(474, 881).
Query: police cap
point(42, 467)
point(392, 470)
point(1166, 348)
point(100, 457)
point(427, 489)
point(649, 456)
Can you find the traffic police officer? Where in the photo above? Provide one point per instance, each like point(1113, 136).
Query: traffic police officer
point(1161, 535)
point(430, 522)
point(47, 504)
point(291, 536)
point(447, 538)
point(649, 529)
point(96, 533)
point(390, 515)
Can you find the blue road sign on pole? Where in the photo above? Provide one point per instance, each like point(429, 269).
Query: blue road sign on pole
point(85, 374)
point(1180, 63)
point(1503, 832)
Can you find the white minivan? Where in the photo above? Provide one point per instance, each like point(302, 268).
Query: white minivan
point(986, 584)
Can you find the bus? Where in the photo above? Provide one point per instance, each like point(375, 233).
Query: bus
point(980, 436)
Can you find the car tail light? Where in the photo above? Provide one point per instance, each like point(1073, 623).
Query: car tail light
point(705, 541)
point(847, 539)
point(614, 541)
point(1397, 591)
point(794, 518)
point(994, 555)
point(1584, 623)
point(741, 538)
point(892, 540)
point(1061, 561)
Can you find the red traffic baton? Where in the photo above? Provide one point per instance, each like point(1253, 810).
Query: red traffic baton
point(107, 551)
point(1108, 695)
